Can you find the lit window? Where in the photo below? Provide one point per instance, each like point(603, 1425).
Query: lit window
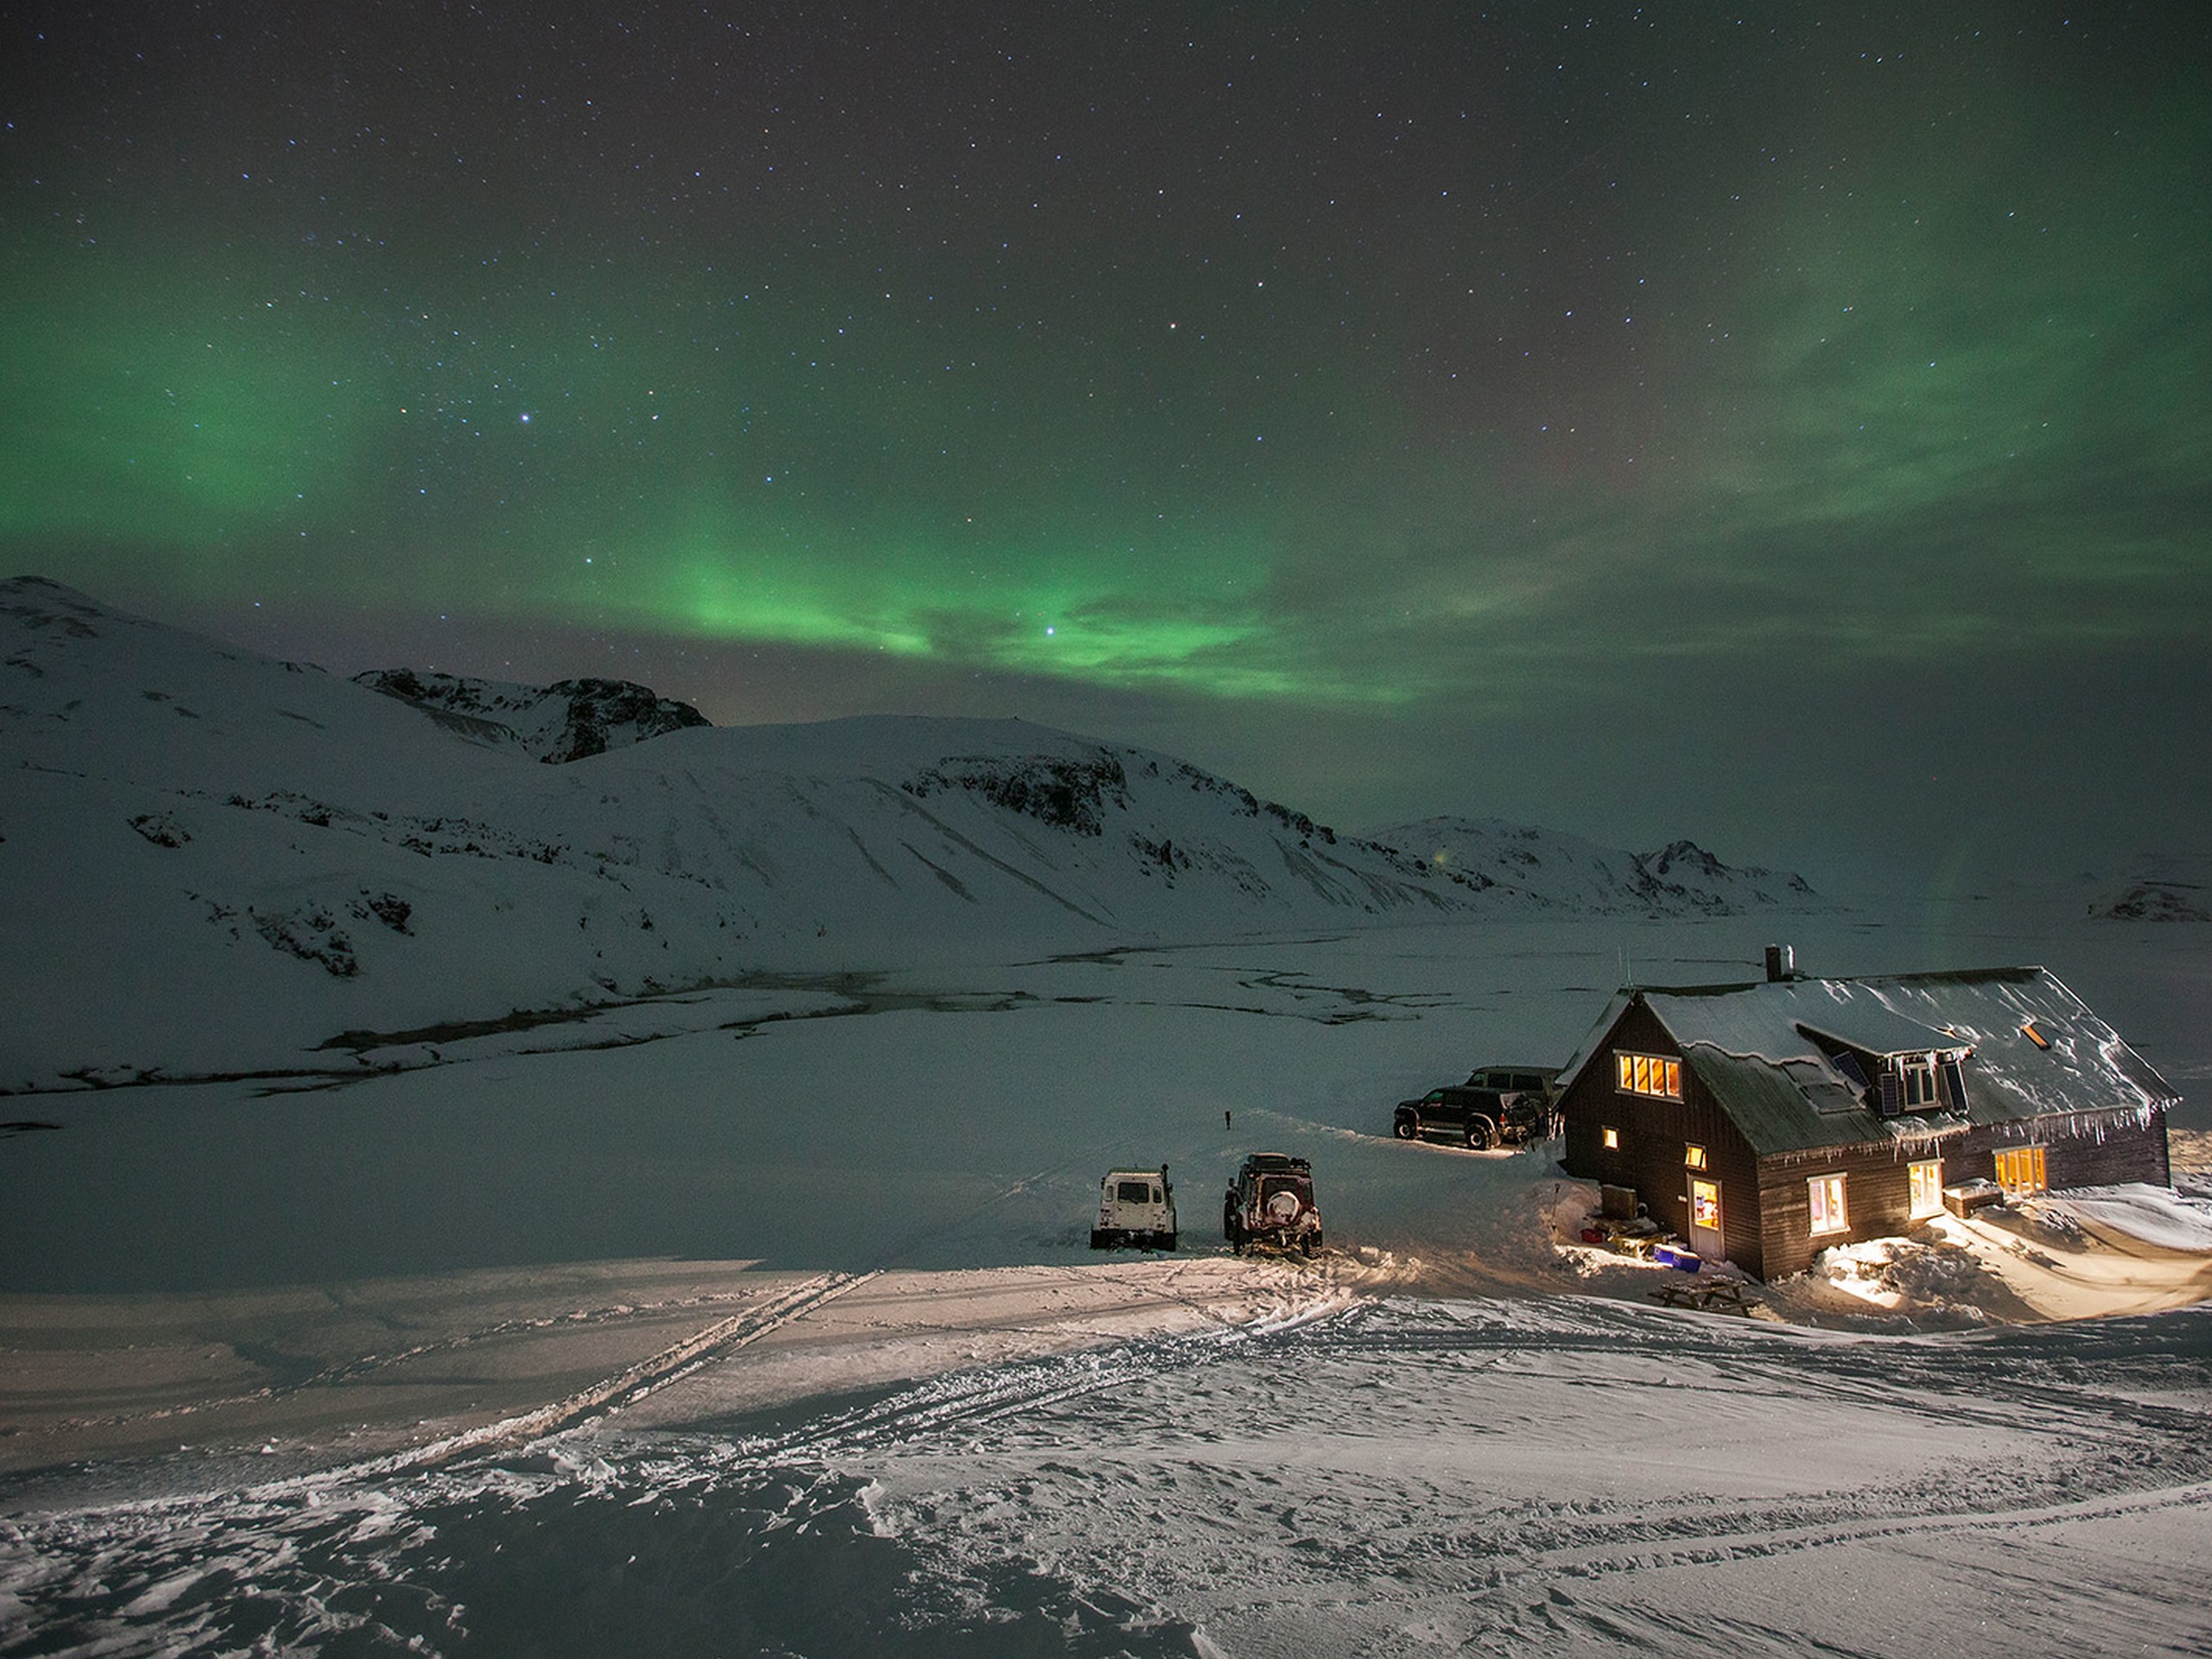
point(1649, 1074)
point(1926, 1189)
point(2020, 1169)
point(1693, 1157)
point(1827, 1193)
point(2028, 1030)
point(1705, 1204)
point(1612, 1140)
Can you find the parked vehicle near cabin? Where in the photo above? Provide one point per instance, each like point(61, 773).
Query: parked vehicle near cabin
point(1137, 1207)
point(1498, 1106)
point(1517, 1079)
point(1272, 1203)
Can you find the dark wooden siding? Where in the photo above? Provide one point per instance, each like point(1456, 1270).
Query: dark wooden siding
point(2106, 1149)
point(1876, 1202)
point(1655, 1135)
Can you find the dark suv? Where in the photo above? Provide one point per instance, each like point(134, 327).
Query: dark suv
point(1498, 1105)
point(1272, 1203)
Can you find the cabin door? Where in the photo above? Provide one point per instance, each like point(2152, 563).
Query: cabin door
point(1706, 1236)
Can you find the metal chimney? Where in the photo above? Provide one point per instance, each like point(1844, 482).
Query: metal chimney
point(1780, 963)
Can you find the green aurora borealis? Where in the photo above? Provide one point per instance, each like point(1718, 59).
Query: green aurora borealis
point(1400, 409)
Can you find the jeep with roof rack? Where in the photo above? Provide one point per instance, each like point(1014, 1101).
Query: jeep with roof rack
point(1272, 1204)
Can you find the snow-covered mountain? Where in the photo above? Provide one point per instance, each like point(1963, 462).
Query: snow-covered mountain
point(212, 862)
point(2155, 888)
point(1553, 870)
point(565, 720)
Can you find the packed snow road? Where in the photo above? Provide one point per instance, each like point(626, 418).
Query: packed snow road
point(1562, 1476)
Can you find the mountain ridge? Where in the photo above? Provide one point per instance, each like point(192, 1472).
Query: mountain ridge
point(219, 862)
point(566, 721)
point(1555, 869)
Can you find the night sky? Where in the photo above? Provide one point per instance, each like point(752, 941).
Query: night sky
point(1784, 425)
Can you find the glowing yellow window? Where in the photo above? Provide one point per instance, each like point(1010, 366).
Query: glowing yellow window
point(1649, 1074)
point(1705, 1204)
point(2020, 1169)
point(1612, 1140)
point(1693, 1157)
point(1927, 1188)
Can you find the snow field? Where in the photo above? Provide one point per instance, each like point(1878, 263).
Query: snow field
point(1071, 1454)
point(1537, 1476)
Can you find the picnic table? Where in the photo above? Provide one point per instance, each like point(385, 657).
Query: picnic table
point(1710, 1296)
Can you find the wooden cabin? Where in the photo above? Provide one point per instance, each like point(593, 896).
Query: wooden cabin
point(1765, 1122)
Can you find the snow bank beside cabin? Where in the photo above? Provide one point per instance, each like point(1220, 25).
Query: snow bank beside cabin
point(2155, 1215)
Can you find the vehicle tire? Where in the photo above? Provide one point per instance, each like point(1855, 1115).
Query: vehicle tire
point(1170, 1244)
point(1478, 1136)
point(1101, 1241)
point(1310, 1246)
point(1407, 1127)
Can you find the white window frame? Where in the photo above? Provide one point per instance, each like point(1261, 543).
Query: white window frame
point(1824, 1195)
point(1925, 1177)
point(1916, 1084)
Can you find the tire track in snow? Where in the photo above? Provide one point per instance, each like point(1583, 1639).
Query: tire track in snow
point(1603, 1596)
point(367, 1366)
point(990, 1393)
point(1708, 1548)
point(629, 1385)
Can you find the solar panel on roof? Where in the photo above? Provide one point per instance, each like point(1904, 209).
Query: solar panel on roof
point(1955, 1084)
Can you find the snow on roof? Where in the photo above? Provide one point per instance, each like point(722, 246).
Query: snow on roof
point(1780, 1019)
point(2033, 1050)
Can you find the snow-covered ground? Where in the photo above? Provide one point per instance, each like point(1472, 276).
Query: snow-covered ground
point(763, 1320)
point(1387, 1476)
point(642, 1206)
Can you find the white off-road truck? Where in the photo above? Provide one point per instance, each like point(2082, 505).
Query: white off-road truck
point(1137, 1207)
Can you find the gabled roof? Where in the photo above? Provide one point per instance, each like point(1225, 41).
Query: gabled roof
point(1763, 1051)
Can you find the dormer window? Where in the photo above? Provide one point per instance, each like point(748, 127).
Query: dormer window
point(1921, 1083)
point(1918, 1078)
